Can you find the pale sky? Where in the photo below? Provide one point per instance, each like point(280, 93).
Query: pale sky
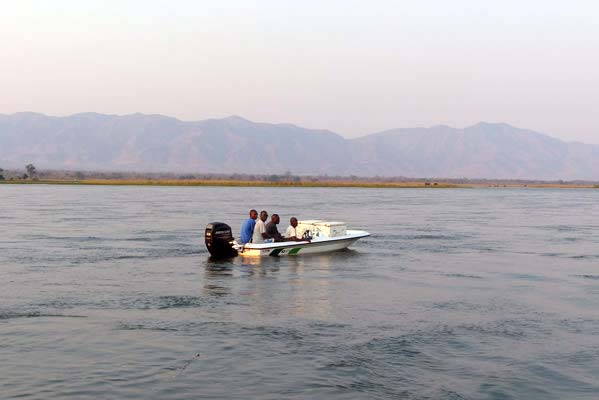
point(354, 67)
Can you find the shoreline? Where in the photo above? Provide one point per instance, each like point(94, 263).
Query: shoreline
point(235, 183)
point(317, 184)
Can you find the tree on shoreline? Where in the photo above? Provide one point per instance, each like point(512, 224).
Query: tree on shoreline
point(31, 171)
point(1, 174)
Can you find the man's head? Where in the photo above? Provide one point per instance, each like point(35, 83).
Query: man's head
point(253, 214)
point(275, 219)
point(263, 215)
point(293, 222)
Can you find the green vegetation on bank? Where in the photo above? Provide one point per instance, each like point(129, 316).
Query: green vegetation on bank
point(31, 175)
point(245, 183)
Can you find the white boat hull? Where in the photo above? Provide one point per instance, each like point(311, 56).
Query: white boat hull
point(317, 245)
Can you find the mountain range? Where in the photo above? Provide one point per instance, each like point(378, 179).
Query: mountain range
point(157, 143)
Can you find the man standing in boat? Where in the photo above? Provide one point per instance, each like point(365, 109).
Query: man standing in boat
point(247, 229)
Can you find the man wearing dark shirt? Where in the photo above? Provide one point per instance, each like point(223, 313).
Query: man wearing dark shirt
point(271, 229)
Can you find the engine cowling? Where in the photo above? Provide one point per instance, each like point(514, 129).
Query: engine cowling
point(219, 240)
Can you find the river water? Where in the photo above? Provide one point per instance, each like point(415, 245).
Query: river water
point(108, 293)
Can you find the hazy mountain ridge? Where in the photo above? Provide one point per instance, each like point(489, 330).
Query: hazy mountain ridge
point(482, 150)
point(143, 142)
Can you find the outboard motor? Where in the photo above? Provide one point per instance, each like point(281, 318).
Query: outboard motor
point(219, 238)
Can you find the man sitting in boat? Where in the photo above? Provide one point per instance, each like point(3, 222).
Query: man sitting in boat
point(271, 229)
point(291, 233)
point(260, 228)
point(247, 228)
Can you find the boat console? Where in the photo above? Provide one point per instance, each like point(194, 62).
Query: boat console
point(317, 228)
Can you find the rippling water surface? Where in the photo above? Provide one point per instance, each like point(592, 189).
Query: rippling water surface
point(108, 293)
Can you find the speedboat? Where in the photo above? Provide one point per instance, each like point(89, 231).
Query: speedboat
point(318, 237)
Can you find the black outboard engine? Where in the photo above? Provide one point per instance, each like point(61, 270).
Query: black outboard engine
point(219, 238)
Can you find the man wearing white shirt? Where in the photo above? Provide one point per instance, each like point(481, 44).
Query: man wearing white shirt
point(291, 233)
point(260, 228)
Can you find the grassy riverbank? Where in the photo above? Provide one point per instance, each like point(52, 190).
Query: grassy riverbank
point(242, 183)
point(262, 183)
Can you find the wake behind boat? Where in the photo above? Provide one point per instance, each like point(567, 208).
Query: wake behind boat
point(321, 237)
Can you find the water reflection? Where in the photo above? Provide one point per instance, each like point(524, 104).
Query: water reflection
point(311, 291)
point(218, 267)
point(301, 286)
point(215, 271)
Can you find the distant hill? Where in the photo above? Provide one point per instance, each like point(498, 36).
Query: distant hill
point(480, 151)
point(141, 142)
